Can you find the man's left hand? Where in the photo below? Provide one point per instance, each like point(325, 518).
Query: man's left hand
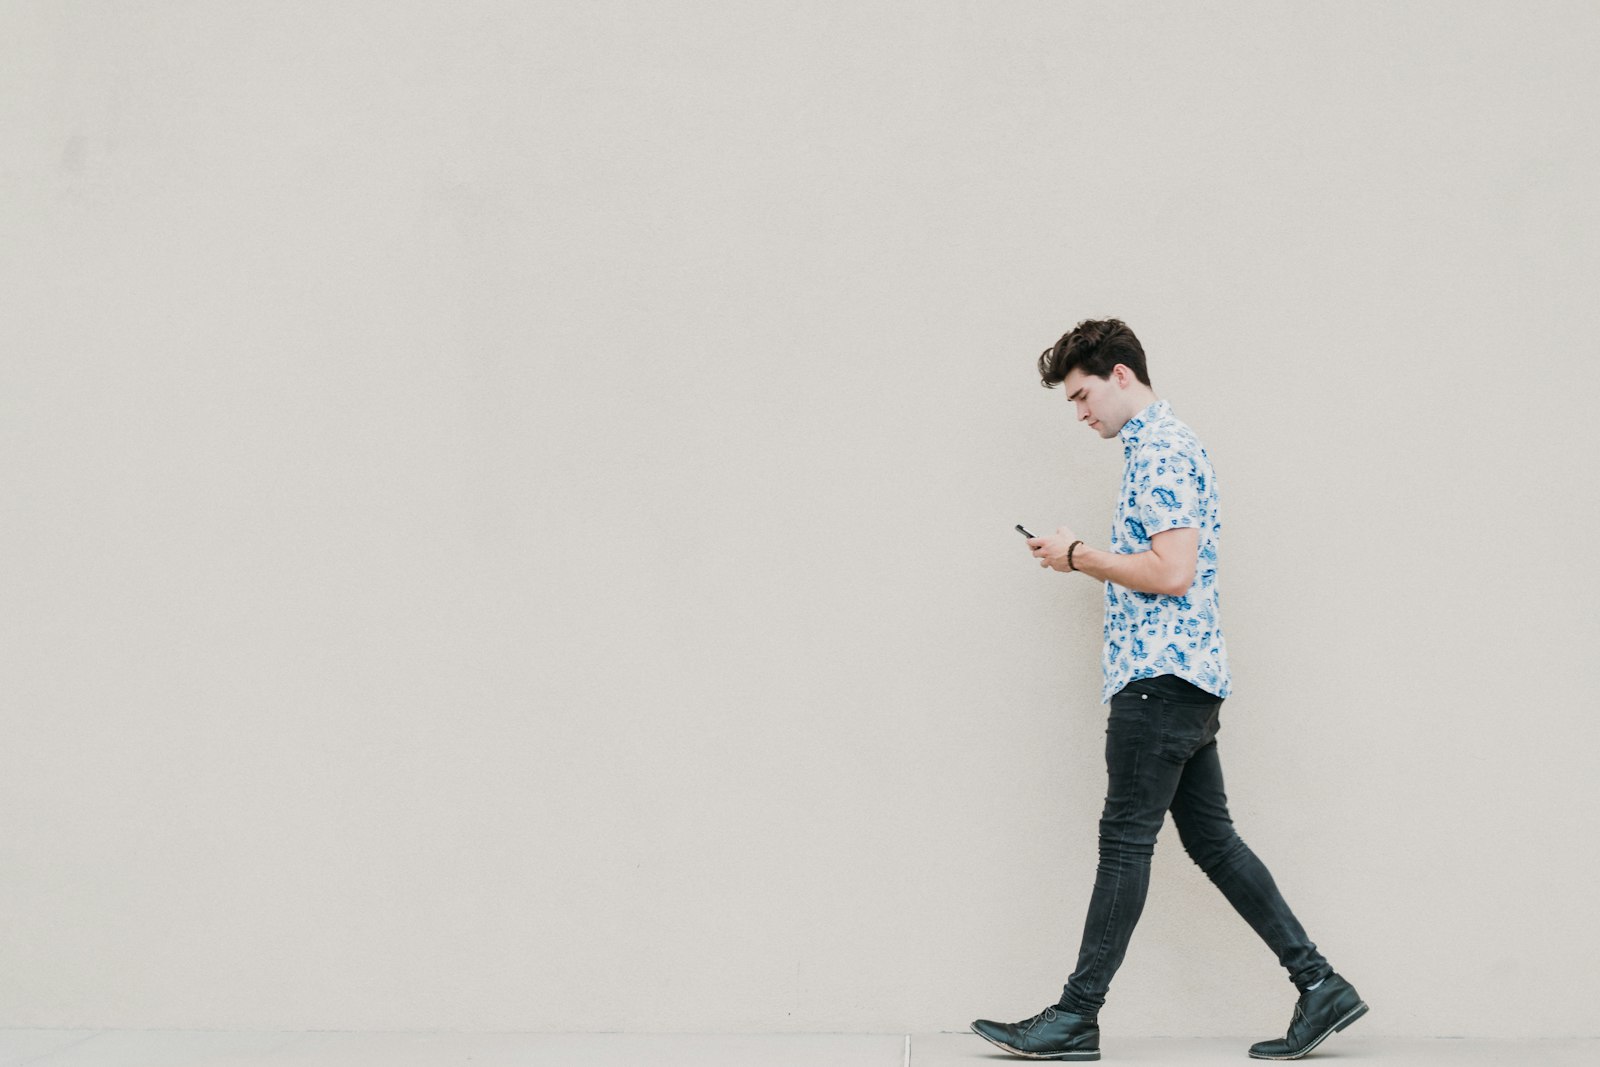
point(1051, 551)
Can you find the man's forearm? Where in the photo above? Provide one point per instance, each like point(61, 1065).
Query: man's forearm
point(1143, 572)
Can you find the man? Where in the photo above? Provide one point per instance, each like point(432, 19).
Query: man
point(1166, 676)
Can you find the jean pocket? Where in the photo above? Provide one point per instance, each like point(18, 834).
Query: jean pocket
point(1131, 720)
point(1186, 728)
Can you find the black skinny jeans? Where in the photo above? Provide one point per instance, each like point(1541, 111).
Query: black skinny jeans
point(1161, 753)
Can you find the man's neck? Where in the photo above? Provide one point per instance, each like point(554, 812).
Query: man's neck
point(1140, 400)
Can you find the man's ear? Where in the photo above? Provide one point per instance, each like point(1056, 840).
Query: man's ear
point(1121, 373)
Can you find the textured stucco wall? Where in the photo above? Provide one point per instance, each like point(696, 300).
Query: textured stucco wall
point(507, 508)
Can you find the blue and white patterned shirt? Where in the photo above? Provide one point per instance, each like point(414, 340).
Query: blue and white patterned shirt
point(1167, 483)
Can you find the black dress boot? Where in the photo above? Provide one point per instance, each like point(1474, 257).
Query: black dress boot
point(1053, 1034)
point(1331, 1006)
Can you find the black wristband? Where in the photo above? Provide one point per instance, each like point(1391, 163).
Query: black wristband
point(1070, 550)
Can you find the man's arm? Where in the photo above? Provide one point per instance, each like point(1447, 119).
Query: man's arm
point(1168, 568)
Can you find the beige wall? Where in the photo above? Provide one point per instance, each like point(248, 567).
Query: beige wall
point(507, 508)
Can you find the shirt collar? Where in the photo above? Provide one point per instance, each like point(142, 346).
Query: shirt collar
point(1132, 431)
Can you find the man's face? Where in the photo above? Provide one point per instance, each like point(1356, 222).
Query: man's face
point(1099, 402)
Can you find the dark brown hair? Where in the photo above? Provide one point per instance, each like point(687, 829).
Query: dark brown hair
point(1095, 346)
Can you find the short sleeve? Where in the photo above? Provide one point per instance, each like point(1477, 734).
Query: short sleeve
point(1171, 493)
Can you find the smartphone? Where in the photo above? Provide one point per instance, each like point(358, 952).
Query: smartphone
point(1023, 532)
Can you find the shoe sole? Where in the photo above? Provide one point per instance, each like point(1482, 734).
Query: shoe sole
point(1349, 1017)
point(1088, 1054)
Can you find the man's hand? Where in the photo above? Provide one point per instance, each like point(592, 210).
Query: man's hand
point(1166, 569)
point(1051, 551)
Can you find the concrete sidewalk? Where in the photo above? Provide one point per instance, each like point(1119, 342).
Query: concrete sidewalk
point(210, 1048)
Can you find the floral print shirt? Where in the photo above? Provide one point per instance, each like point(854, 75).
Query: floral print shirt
point(1167, 483)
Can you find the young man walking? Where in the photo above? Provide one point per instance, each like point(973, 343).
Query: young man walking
point(1166, 676)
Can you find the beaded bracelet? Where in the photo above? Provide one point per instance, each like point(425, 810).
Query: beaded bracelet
point(1070, 550)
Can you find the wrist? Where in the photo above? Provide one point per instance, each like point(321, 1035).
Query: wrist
point(1072, 548)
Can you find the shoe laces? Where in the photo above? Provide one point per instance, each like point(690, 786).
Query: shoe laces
point(1046, 1016)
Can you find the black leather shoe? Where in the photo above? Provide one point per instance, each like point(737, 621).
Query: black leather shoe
point(1331, 1006)
point(1053, 1034)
